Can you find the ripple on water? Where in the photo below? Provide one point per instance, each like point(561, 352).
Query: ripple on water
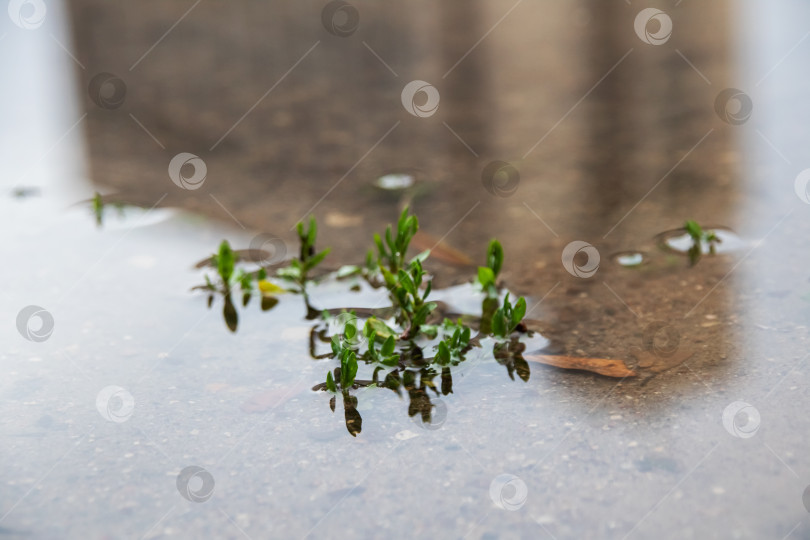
point(678, 241)
point(629, 258)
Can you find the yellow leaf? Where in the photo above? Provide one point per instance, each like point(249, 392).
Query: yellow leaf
point(269, 288)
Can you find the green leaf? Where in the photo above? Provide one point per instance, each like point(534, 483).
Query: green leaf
point(486, 276)
point(349, 331)
point(351, 369)
point(694, 230)
point(368, 331)
point(388, 346)
point(443, 354)
point(465, 336)
point(336, 345)
point(407, 282)
point(421, 257)
point(312, 233)
point(389, 278)
point(519, 311)
point(316, 259)
point(380, 329)
point(402, 223)
point(330, 382)
point(225, 261)
point(389, 241)
point(495, 257)
point(390, 360)
point(498, 323)
point(379, 244)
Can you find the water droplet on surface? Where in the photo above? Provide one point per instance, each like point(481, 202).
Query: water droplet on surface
point(629, 258)
point(395, 181)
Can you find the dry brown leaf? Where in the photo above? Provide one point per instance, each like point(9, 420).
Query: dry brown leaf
point(602, 366)
point(439, 249)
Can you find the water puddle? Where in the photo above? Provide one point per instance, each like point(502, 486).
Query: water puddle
point(681, 242)
point(362, 325)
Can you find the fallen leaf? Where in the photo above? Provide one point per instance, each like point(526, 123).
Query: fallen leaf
point(602, 366)
point(439, 249)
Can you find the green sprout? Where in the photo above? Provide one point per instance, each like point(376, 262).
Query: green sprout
point(97, 206)
point(224, 260)
point(308, 259)
point(385, 355)
point(507, 317)
point(406, 295)
point(391, 253)
point(451, 348)
point(699, 237)
point(488, 275)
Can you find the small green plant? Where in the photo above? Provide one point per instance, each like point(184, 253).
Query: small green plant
point(224, 260)
point(451, 348)
point(308, 259)
point(507, 317)
point(229, 277)
point(699, 237)
point(97, 206)
point(385, 354)
point(412, 304)
point(394, 340)
point(488, 275)
point(391, 253)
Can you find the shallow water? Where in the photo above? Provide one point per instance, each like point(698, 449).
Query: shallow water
point(614, 141)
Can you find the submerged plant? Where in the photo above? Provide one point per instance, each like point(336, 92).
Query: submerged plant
point(344, 374)
point(396, 341)
point(385, 354)
point(451, 349)
point(228, 278)
point(507, 317)
point(411, 301)
point(699, 237)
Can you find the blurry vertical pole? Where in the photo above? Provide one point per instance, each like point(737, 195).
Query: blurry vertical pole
point(651, 112)
point(41, 141)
